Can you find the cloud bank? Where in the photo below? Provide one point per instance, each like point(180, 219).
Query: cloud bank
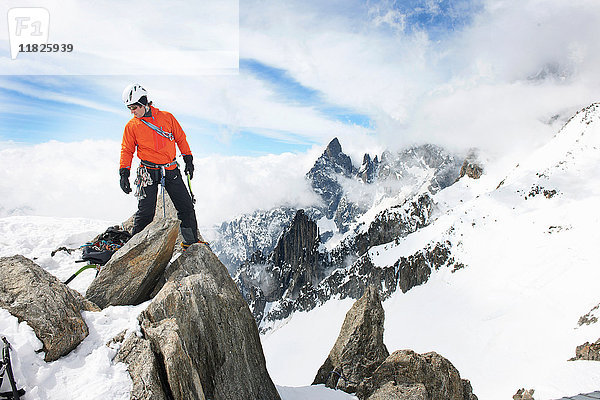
point(80, 179)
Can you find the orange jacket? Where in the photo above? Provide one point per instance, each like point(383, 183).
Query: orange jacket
point(150, 145)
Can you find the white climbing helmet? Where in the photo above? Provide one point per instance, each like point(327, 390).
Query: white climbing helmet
point(135, 94)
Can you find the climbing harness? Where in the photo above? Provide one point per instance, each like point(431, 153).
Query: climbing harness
point(162, 168)
point(6, 368)
point(158, 130)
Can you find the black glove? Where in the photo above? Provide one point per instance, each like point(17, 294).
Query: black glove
point(189, 167)
point(124, 172)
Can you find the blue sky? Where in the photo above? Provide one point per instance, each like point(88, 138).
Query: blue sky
point(374, 73)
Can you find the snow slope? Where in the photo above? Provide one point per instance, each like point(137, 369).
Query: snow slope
point(509, 319)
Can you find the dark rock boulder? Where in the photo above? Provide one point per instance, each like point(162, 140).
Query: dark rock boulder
point(132, 273)
point(404, 368)
point(217, 333)
point(143, 368)
point(51, 309)
point(359, 349)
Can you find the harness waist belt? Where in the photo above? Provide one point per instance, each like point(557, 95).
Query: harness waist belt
point(151, 165)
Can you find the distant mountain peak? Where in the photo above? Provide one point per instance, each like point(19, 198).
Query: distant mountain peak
point(334, 148)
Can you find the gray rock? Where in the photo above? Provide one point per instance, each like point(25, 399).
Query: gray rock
point(405, 367)
point(216, 328)
point(52, 309)
point(134, 270)
point(183, 380)
point(359, 348)
point(182, 267)
point(143, 368)
point(391, 391)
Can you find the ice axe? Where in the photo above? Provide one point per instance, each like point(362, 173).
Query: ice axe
point(190, 187)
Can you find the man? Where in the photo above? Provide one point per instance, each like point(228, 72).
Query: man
point(154, 133)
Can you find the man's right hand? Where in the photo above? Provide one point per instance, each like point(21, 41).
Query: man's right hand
point(124, 172)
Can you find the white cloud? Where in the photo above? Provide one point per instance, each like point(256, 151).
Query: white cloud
point(80, 179)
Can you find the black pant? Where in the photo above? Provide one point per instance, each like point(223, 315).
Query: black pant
point(181, 200)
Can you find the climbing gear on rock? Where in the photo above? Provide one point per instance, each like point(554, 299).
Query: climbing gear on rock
point(101, 249)
point(124, 173)
point(6, 368)
point(80, 270)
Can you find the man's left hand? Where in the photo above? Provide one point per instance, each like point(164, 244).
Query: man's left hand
point(189, 166)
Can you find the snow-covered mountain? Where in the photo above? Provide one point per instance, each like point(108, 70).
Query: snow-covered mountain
point(497, 280)
point(347, 193)
point(494, 273)
point(383, 200)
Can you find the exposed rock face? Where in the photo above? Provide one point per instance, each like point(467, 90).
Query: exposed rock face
point(324, 175)
point(143, 368)
point(134, 270)
point(391, 391)
point(201, 323)
point(52, 309)
point(471, 170)
point(368, 170)
point(395, 223)
point(405, 368)
point(471, 166)
point(359, 348)
point(296, 256)
point(181, 375)
point(587, 351)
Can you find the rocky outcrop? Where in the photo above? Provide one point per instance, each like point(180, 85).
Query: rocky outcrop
point(368, 170)
point(295, 259)
point(359, 348)
point(49, 307)
point(406, 370)
point(587, 351)
point(471, 166)
point(523, 394)
point(143, 368)
point(132, 273)
point(395, 223)
point(201, 323)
